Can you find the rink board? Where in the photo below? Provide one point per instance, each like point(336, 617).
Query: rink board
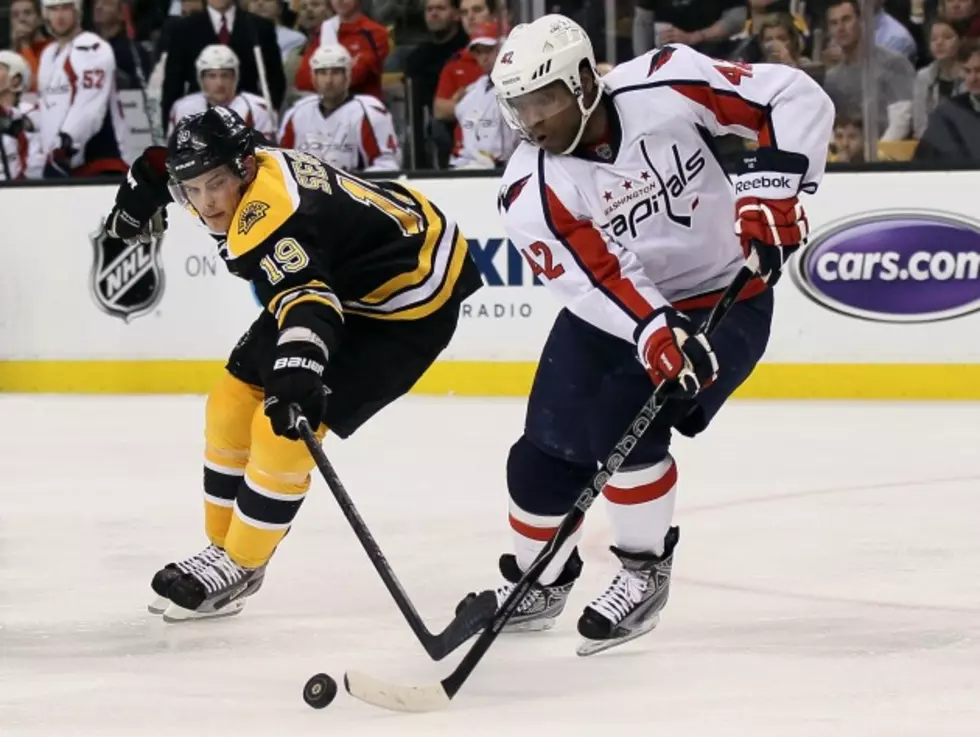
point(888, 307)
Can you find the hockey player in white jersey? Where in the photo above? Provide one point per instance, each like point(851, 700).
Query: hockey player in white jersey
point(20, 153)
point(619, 204)
point(217, 74)
point(351, 132)
point(483, 138)
point(81, 121)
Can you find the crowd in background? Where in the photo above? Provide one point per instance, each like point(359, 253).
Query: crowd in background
point(403, 84)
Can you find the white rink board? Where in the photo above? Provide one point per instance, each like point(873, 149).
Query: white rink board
point(47, 311)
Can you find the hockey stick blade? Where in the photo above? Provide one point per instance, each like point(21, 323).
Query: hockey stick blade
point(438, 695)
point(438, 645)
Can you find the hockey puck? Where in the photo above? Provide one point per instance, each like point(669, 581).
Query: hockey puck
point(320, 691)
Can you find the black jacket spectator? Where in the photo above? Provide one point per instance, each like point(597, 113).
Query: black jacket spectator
point(107, 19)
point(953, 132)
point(190, 35)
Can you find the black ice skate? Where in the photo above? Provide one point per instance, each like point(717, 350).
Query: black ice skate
point(209, 585)
point(543, 604)
point(631, 606)
point(166, 576)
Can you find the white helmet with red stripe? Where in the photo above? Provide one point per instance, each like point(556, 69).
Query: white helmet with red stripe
point(552, 48)
point(331, 56)
point(16, 66)
point(216, 56)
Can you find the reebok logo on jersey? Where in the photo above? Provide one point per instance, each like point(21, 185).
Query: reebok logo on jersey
point(297, 362)
point(762, 182)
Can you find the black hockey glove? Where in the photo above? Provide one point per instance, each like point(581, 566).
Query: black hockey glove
point(140, 198)
point(296, 377)
point(58, 163)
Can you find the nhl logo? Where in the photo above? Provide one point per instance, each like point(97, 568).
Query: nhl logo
point(126, 280)
point(604, 151)
point(184, 136)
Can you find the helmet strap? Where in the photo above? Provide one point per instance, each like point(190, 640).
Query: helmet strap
point(586, 111)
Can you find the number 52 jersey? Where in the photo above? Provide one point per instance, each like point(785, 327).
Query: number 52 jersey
point(319, 244)
point(646, 218)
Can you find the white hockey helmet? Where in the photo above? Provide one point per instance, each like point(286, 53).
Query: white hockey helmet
point(331, 56)
point(53, 3)
point(216, 56)
point(17, 64)
point(549, 49)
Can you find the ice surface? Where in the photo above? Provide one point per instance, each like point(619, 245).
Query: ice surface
point(826, 582)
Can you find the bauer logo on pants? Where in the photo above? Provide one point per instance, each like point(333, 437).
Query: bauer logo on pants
point(127, 280)
point(894, 266)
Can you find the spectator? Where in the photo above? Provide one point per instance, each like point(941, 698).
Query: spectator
point(749, 47)
point(422, 68)
point(287, 38)
point(312, 14)
point(107, 19)
point(366, 41)
point(81, 126)
point(351, 132)
point(848, 144)
point(185, 8)
point(462, 69)
point(941, 79)
point(483, 138)
point(776, 38)
point(217, 74)
point(707, 25)
point(965, 14)
point(894, 74)
point(891, 34)
point(27, 36)
point(223, 22)
point(953, 132)
point(19, 144)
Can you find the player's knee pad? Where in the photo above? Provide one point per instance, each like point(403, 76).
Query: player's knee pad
point(541, 484)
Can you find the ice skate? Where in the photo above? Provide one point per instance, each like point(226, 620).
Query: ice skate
point(166, 576)
point(543, 604)
point(207, 585)
point(631, 606)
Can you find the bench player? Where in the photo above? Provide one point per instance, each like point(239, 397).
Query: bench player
point(362, 284)
point(618, 202)
point(217, 73)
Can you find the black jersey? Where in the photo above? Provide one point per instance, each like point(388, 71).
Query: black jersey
point(319, 242)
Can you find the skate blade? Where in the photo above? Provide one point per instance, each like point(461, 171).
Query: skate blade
point(591, 647)
point(174, 613)
point(535, 625)
point(158, 605)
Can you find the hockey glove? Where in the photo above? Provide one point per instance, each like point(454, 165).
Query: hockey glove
point(140, 198)
point(58, 164)
point(672, 354)
point(769, 218)
point(296, 377)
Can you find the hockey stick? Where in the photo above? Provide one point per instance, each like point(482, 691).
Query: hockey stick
point(438, 695)
point(140, 73)
point(463, 627)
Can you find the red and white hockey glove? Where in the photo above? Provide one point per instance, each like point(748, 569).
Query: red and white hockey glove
point(768, 216)
point(672, 352)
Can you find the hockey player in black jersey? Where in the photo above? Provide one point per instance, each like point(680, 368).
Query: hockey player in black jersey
point(361, 283)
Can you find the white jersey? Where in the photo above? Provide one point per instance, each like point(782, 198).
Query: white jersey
point(483, 138)
point(357, 136)
point(648, 218)
point(22, 153)
point(252, 109)
point(77, 93)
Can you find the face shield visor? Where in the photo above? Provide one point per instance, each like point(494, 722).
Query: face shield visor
point(525, 111)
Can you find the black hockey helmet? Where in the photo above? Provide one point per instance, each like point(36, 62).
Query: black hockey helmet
point(205, 141)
